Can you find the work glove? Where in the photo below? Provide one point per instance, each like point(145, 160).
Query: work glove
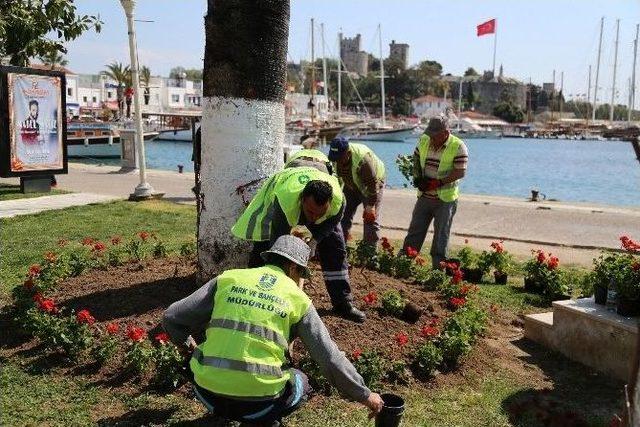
point(369, 214)
point(433, 184)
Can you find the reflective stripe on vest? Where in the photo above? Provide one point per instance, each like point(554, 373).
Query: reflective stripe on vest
point(247, 338)
point(448, 192)
point(286, 186)
point(316, 155)
point(358, 154)
point(236, 365)
point(261, 331)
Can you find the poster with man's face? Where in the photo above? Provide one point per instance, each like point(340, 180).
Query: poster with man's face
point(35, 120)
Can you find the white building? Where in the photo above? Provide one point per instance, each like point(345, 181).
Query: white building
point(429, 106)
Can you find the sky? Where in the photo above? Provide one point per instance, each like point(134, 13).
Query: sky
point(533, 37)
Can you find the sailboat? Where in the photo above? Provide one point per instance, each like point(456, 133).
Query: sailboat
point(380, 131)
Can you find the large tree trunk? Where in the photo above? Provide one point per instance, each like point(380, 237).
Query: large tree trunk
point(243, 118)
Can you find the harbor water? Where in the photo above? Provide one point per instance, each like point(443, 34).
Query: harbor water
point(603, 172)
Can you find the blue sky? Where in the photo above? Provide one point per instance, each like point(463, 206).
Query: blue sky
point(534, 37)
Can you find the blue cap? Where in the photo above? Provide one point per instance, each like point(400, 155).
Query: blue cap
point(338, 146)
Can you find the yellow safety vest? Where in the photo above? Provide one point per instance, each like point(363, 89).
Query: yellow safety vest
point(286, 186)
point(358, 154)
point(248, 335)
point(316, 155)
point(448, 192)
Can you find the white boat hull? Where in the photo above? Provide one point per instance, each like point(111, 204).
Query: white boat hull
point(94, 150)
point(399, 135)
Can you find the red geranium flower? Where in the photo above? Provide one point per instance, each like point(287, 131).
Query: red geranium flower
point(402, 339)
point(553, 262)
point(113, 328)
point(429, 331)
point(98, 247)
point(541, 257)
point(162, 338)
point(457, 275)
point(34, 270)
point(385, 243)
point(498, 247)
point(136, 334)
point(356, 354)
point(48, 306)
point(87, 241)
point(62, 242)
point(411, 253)
point(144, 235)
point(371, 298)
point(457, 302)
point(115, 240)
point(466, 241)
point(464, 289)
point(37, 298)
point(84, 316)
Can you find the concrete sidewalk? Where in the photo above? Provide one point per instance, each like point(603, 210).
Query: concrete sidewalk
point(11, 208)
point(577, 228)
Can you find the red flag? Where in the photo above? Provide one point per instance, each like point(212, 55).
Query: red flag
point(488, 27)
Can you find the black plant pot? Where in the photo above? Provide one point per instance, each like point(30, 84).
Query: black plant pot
point(627, 307)
point(500, 278)
point(600, 295)
point(531, 285)
point(392, 411)
point(411, 312)
point(473, 275)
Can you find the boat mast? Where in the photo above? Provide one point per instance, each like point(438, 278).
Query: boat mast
point(561, 94)
point(615, 69)
point(459, 102)
point(324, 67)
point(588, 94)
point(595, 88)
point(313, 77)
point(340, 73)
point(633, 75)
point(382, 77)
point(553, 93)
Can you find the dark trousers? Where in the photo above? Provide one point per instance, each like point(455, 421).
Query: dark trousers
point(354, 198)
point(332, 252)
point(258, 412)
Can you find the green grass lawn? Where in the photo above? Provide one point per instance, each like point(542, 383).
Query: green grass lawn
point(12, 192)
point(40, 397)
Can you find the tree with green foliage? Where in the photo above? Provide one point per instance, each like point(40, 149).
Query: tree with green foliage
point(508, 112)
point(121, 74)
point(471, 72)
point(180, 72)
point(53, 60)
point(145, 80)
point(35, 28)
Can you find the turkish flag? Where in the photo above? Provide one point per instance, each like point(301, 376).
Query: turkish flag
point(488, 27)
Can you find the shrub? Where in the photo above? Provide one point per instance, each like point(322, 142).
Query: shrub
point(402, 266)
point(431, 279)
point(386, 262)
point(188, 249)
point(454, 345)
point(371, 366)
point(139, 354)
point(398, 372)
point(168, 361)
point(116, 256)
point(317, 381)
point(365, 254)
point(473, 261)
point(427, 359)
point(137, 249)
point(543, 271)
point(393, 303)
point(105, 348)
point(79, 262)
point(160, 249)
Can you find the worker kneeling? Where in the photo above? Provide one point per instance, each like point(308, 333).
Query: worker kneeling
point(250, 316)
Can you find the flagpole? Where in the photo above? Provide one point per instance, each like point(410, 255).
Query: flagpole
point(495, 41)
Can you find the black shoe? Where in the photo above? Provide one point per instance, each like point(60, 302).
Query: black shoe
point(349, 312)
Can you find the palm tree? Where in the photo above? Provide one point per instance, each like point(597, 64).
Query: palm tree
point(121, 74)
point(243, 117)
point(145, 80)
point(53, 59)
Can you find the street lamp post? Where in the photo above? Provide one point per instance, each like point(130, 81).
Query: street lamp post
point(144, 190)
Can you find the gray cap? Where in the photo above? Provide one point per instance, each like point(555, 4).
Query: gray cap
point(437, 124)
point(291, 247)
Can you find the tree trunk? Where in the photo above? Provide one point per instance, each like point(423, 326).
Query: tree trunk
point(243, 118)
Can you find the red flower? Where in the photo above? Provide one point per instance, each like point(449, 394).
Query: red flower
point(98, 247)
point(435, 321)
point(498, 247)
point(371, 298)
point(429, 331)
point(136, 334)
point(402, 339)
point(37, 298)
point(541, 257)
point(457, 302)
point(62, 242)
point(115, 240)
point(162, 338)
point(457, 275)
point(50, 257)
point(28, 284)
point(112, 328)
point(356, 354)
point(553, 262)
point(48, 306)
point(465, 289)
point(420, 261)
point(87, 241)
point(84, 316)
point(34, 270)
point(629, 245)
point(411, 253)
point(635, 266)
point(144, 235)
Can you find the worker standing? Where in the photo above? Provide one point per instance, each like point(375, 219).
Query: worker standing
point(309, 197)
point(363, 176)
point(250, 317)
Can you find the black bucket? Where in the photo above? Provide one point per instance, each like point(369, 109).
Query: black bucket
point(392, 411)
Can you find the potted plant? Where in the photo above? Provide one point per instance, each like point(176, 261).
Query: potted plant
point(605, 269)
point(543, 276)
point(500, 260)
point(473, 266)
point(627, 280)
